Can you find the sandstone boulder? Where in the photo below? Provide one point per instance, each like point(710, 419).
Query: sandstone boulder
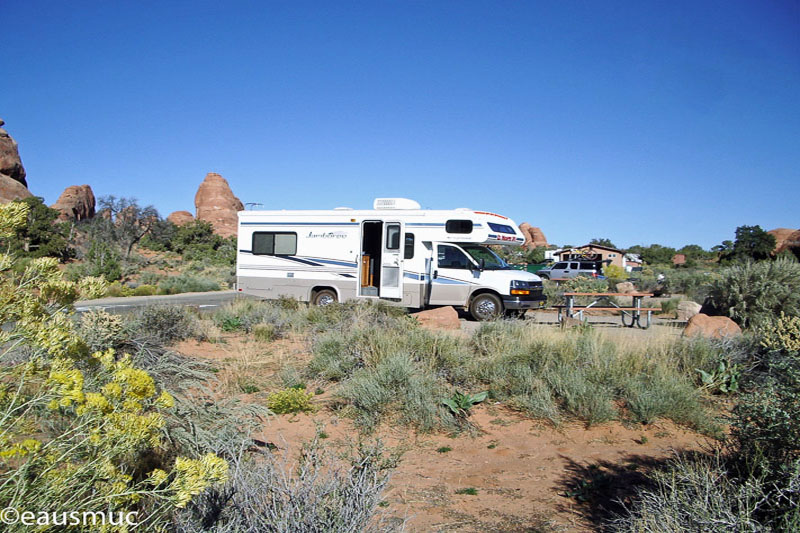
point(687, 309)
point(75, 203)
point(11, 189)
point(713, 327)
point(215, 203)
point(10, 162)
point(439, 318)
point(533, 236)
point(625, 287)
point(785, 238)
point(179, 218)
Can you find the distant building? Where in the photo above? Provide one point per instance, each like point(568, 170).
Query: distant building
point(678, 259)
point(594, 252)
point(632, 261)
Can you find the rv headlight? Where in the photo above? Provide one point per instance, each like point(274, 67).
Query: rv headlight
point(519, 288)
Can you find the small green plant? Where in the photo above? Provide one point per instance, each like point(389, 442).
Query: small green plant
point(265, 332)
point(290, 401)
point(670, 307)
point(230, 323)
point(444, 449)
point(470, 491)
point(724, 378)
point(249, 388)
point(643, 440)
point(460, 404)
point(492, 445)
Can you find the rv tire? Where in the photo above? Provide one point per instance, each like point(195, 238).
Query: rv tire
point(486, 306)
point(324, 297)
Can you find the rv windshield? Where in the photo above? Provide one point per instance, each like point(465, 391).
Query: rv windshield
point(491, 260)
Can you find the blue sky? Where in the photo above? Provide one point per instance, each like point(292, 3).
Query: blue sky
point(644, 122)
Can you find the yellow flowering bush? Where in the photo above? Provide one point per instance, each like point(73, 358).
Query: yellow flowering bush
point(290, 401)
point(783, 334)
point(80, 431)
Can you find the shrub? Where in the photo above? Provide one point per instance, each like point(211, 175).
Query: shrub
point(698, 493)
point(318, 492)
point(76, 428)
point(187, 283)
point(753, 294)
point(265, 332)
point(145, 290)
point(614, 273)
point(101, 330)
point(163, 323)
point(781, 335)
point(118, 289)
point(290, 401)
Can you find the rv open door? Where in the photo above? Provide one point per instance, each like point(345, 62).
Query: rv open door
point(391, 282)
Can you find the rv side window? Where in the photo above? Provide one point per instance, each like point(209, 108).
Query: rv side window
point(502, 228)
point(393, 236)
point(271, 243)
point(408, 253)
point(458, 226)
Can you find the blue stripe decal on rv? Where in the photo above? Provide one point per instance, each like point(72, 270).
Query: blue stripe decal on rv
point(332, 262)
point(448, 281)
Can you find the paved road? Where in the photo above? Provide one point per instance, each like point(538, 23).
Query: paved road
point(202, 300)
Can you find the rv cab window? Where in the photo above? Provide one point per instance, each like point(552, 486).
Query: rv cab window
point(452, 257)
point(272, 243)
point(458, 226)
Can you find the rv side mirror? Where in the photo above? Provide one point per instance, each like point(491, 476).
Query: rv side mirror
point(482, 264)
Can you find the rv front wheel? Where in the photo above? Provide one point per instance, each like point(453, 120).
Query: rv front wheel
point(324, 297)
point(486, 306)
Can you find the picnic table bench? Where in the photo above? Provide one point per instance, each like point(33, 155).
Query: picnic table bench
point(631, 316)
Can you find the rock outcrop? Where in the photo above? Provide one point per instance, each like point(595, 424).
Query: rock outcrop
point(533, 236)
point(625, 287)
point(179, 218)
point(75, 203)
point(713, 327)
point(687, 309)
point(439, 318)
point(215, 203)
point(10, 163)
point(13, 185)
point(785, 238)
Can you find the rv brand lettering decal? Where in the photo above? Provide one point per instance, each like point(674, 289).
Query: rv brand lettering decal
point(327, 235)
point(504, 238)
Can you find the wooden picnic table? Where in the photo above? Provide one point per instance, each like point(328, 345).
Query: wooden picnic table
point(630, 315)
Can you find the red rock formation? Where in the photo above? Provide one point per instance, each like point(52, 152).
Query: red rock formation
point(10, 163)
point(12, 174)
point(785, 238)
point(714, 327)
point(75, 203)
point(215, 203)
point(439, 318)
point(179, 218)
point(11, 190)
point(533, 236)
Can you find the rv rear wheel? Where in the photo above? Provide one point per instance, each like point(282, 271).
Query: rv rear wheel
point(486, 306)
point(324, 297)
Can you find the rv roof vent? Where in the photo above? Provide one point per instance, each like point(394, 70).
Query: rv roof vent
point(394, 203)
point(463, 209)
point(342, 208)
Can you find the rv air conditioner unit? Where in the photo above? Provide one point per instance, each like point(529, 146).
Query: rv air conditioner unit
point(394, 203)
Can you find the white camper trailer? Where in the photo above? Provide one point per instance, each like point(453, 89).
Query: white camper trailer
point(396, 252)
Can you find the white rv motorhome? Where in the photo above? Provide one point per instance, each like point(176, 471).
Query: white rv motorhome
point(396, 252)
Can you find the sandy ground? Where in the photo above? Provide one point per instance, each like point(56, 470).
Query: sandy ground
point(527, 475)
